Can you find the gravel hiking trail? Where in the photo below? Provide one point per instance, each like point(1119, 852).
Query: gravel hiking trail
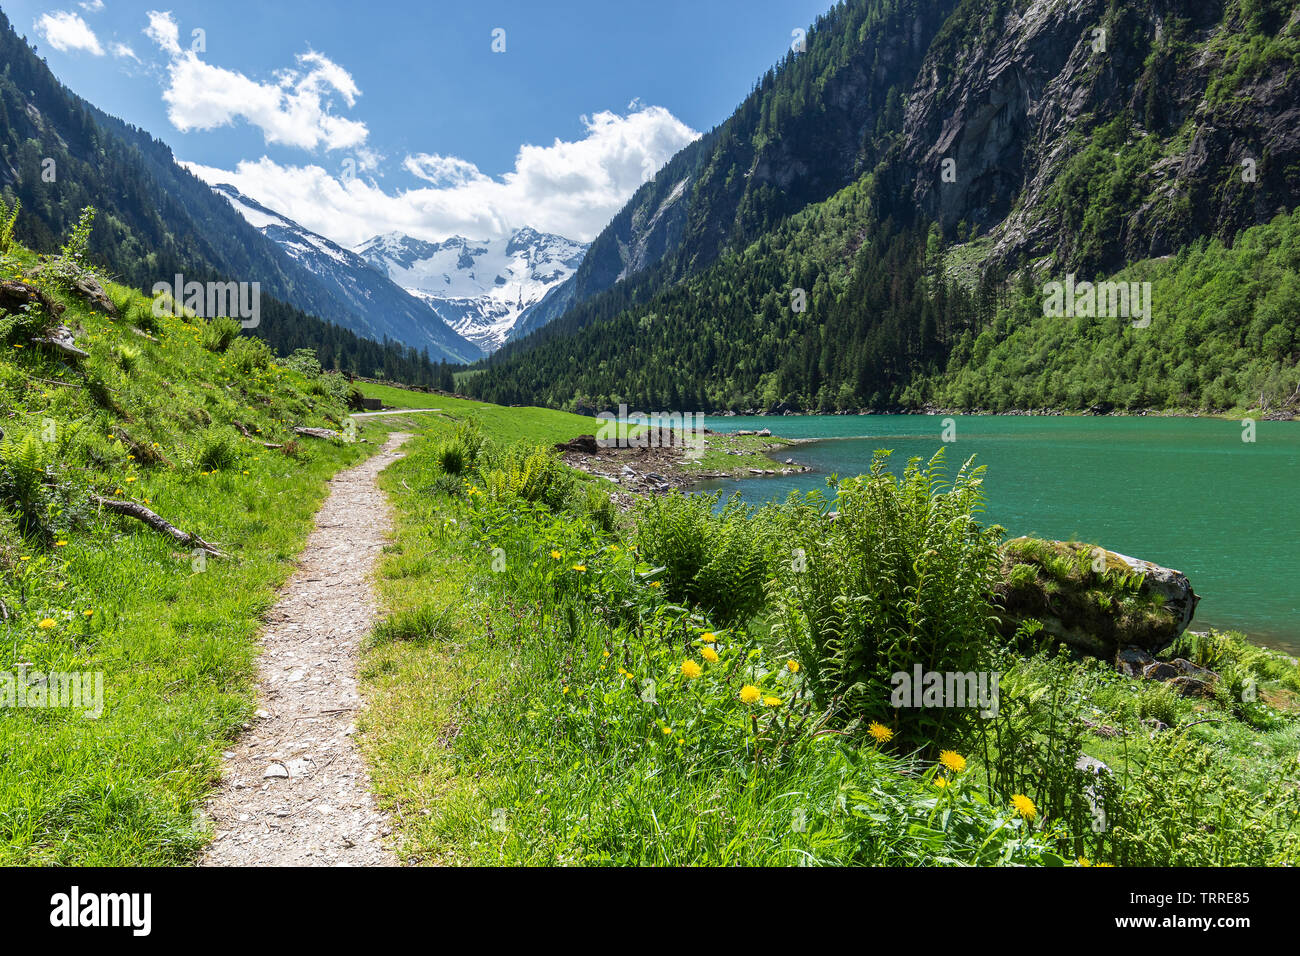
point(295, 790)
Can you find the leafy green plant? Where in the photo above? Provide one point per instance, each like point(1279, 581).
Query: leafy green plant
point(219, 333)
point(714, 560)
point(217, 449)
point(900, 575)
point(26, 479)
point(8, 218)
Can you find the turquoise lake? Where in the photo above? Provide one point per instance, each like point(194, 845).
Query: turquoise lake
point(1183, 492)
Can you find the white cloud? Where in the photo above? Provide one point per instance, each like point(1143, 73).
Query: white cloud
point(124, 51)
point(68, 32)
point(92, 6)
point(294, 110)
point(162, 29)
point(572, 188)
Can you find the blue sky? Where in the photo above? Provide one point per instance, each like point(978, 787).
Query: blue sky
point(356, 119)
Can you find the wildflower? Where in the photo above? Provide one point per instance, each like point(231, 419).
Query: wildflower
point(952, 760)
point(579, 568)
point(131, 479)
point(565, 691)
point(88, 613)
point(1104, 864)
point(708, 637)
point(1023, 806)
point(792, 666)
point(1083, 861)
point(771, 701)
point(879, 732)
point(692, 670)
point(668, 731)
point(47, 623)
point(941, 782)
point(555, 555)
point(749, 694)
point(710, 655)
point(60, 544)
point(655, 584)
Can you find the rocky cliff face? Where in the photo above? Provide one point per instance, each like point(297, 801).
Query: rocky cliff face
point(1008, 114)
point(1087, 131)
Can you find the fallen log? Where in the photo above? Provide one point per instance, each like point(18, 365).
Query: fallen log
point(61, 339)
point(15, 296)
point(145, 454)
point(243, 430)
point(132, 510)
point(326, 433)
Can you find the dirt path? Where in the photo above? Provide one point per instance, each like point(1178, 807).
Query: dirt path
point(295, 791)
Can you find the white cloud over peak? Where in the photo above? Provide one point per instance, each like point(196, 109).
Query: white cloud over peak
point(67, 32)
point(572, 188)
point(294, 110)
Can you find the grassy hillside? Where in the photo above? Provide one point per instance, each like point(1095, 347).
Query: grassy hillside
point(149, 419)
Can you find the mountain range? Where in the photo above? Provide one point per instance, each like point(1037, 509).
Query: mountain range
point(484, 289)
point(380, 308)
point(156, 219)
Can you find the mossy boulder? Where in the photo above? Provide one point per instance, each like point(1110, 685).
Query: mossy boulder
point(1096, 600)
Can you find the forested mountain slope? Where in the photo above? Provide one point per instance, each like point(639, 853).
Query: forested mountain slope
point(1037, 138)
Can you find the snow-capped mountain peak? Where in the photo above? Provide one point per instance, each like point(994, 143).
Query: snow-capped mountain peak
point(365, 301)
point(481, 288)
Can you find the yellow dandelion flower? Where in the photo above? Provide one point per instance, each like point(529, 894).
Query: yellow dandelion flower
point(555, 555)
point(749, 694)
point(771, 701)
point(1023, 806)
point(691, 670)
point(655, 584)
point(941, 782)
point(607, 653)
point(88, 613)
point(668, 731)
point(710, 655)
point(708, 637)
point(47, 623)
point(60, 544)
point(879, 732)
point(1103, 864)
point(580, 568)
point(1083, 861)
point(792, 666)
point(952, 760)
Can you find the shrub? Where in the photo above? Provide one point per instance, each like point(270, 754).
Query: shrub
point(247, 354)
point(531, 472)
point(127, 357)
point(900, 575)
point(218, 333)
point(217, 449)
point(8, 217)
point(26, 479)
point(714, 561)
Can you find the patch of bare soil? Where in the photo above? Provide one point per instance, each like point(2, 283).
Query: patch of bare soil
point(296, 790)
